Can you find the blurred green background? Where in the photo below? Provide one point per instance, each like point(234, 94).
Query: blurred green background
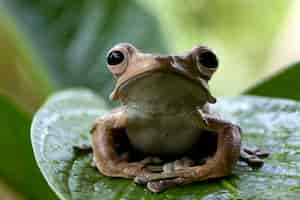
point(53, 44)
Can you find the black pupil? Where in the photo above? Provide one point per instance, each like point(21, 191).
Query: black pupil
point(208, 59)
point(115, 58)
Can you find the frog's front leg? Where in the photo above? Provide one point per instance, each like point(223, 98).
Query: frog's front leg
point(220, 165)
point(107, 159)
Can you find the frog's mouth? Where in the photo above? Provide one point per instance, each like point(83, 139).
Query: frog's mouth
point(164, 66)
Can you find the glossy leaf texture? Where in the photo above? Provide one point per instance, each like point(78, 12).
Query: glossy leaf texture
point(270, 124)
point(282, 84)
point(69, 39)
point(18, 167)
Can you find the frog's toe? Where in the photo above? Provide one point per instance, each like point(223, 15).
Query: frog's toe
point(257, 152)
point(261, 154)
point(180, 164)
point(254, 158)
point(145, 178)
point(255, 162)
point(161, 185)
point(154, 169)
point(142, 180)
point(156, 186)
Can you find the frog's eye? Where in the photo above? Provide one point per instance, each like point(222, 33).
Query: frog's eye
point(208, 59)
point(115, 58)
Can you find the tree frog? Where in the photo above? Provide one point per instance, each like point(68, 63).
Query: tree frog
point(165, 115)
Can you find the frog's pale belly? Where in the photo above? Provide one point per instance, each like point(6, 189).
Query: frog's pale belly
point(167, 134)
point(162, 115)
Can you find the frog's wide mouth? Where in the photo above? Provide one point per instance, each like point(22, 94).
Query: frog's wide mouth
point(122, 83)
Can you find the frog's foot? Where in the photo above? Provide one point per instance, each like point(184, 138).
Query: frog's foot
point(254, 158)
point(220, 165)
point(152, 160)
point(178, 164)
point(169, 167)
point(157, 182)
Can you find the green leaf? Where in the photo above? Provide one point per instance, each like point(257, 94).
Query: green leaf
point(214, 23)
point(18, 168)
point(70, 38)
point(270, 124)
point(283, 84)
point(21, 78)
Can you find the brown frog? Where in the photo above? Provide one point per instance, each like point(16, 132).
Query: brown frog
point(164, 113)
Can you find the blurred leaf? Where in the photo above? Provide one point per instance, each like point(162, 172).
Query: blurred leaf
point(65, 120)
point(71, 38)
point(18, 168)
point(8, 193)
point(284, 84)
point(240, 31)
point(21, 78)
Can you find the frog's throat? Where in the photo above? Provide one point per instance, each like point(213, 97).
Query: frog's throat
point(145, 71)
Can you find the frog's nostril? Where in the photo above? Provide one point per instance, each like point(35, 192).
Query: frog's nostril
point(115, 58)
point(208, 59)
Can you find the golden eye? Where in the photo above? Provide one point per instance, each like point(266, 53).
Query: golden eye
point(208, 59)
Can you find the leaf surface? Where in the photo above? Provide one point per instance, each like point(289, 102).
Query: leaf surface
point(17, 167)
point(283, 84)
point(69, 39)
point(269, 124)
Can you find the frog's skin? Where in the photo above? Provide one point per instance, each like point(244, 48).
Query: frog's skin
point(165, 110)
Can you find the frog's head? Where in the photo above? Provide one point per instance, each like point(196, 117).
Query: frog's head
point(193, 69)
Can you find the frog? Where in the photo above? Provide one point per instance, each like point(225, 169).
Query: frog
point(164, 113)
